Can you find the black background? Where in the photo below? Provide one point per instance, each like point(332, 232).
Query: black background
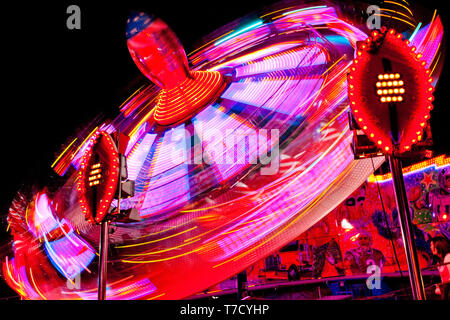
point(56, 79)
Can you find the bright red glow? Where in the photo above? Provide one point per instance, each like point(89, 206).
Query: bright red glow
point(160, 56)
point(101, 155)
point(407, 86)
point(183, 101)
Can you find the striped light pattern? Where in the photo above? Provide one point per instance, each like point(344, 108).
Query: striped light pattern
point(439, 162)
point(181, 102)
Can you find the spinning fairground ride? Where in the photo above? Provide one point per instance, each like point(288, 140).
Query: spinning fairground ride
point(227, 155)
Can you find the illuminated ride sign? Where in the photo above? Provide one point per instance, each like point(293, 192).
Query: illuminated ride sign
point(390, 91)
point(98, 177)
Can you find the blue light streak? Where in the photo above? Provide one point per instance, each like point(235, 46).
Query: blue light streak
point(415, 32)
point(238, 32)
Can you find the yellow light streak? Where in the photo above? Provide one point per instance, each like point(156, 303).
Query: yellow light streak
point(290, 223)
point(87, 138)
point(434, 16)
point(402, 14)
point(35, 286)
point(437, 62)
point(332, 120)
point(267, 14)
point(437, 50)
point(214, 40)
point(281, 230)
point(162, 231)
point(10, 275)
point(161, 251)
point(163, 259)
point(143, 120)
point(156, 240)
point(399, 4)
point(158, 296)
point(392, 17)
point(333, 65)
point(53, 164)
point(131, 96)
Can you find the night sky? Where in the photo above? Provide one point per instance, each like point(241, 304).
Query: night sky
point(59, 79)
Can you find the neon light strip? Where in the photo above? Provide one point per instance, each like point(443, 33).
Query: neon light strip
point(35, 286)
point(75, 155)
point(402, 14)
point(53, 164)
point(267, 14)
point(436, 63)
point(438, 162)
point(415, 32)
point(304, 9)
point(234, 34)
point(156, 240)
point(396, 18)
point(123, 106)
point(401, 5)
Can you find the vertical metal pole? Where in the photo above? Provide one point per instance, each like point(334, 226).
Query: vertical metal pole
point(102, 267)
point(242, 285)
point(415, 276)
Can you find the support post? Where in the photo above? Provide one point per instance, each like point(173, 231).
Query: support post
point(242, 289)
point(102, 267)
point(104, 236)
point(415, 276)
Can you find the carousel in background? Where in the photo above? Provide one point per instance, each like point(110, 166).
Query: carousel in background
point(226, 156)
